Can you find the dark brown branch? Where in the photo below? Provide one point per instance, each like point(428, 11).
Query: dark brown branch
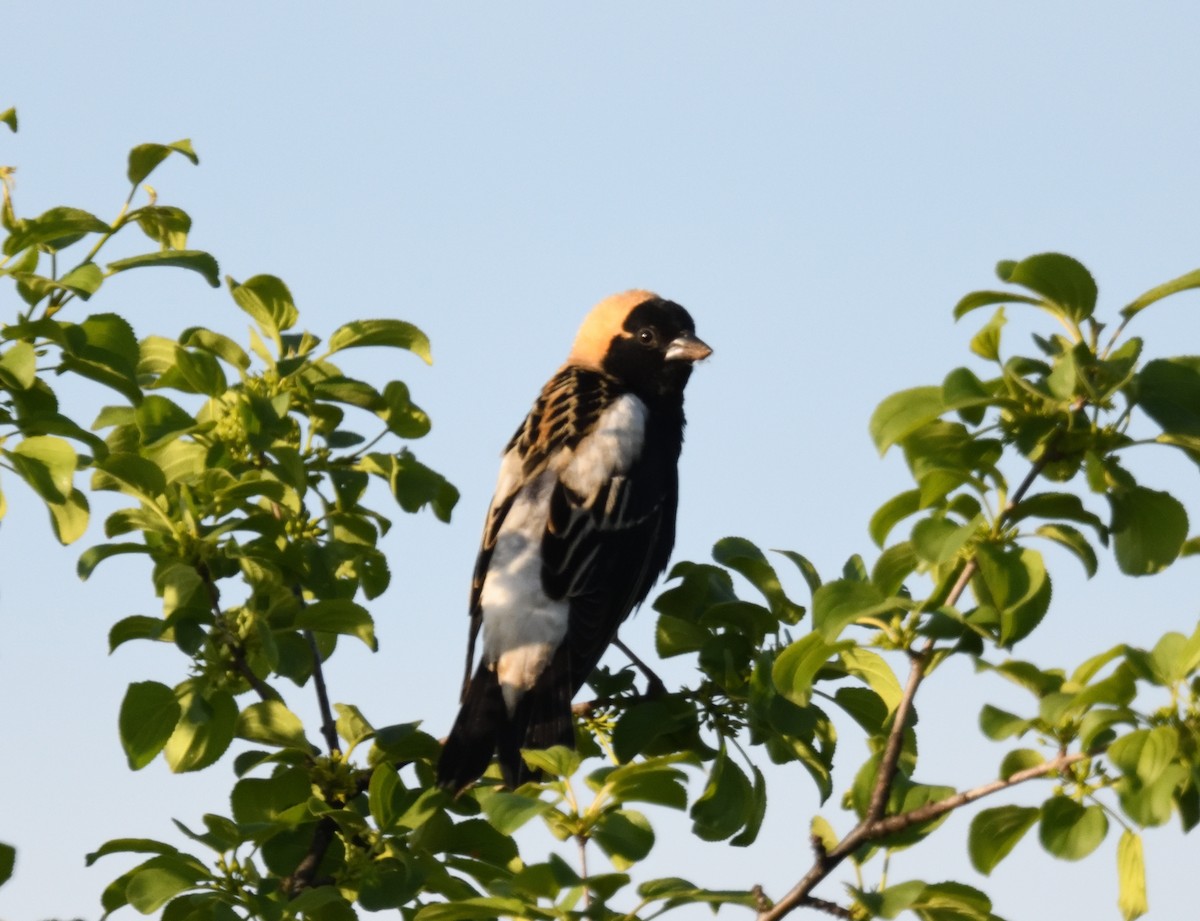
point(654, 684)
point(306, 871)
point(328, 726)
point(895, 742)
point(830, 908)
point(897, 823)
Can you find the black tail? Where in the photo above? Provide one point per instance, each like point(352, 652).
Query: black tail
point(472, 741)
point(542, 718)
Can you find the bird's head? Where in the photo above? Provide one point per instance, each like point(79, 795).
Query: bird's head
point(646, 342)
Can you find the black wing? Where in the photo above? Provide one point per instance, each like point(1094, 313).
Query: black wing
point(566, 410)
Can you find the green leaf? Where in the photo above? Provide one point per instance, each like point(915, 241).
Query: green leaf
point(874, 670)
point(903, 413)
point(999, 724)
point(507, 812)
point(94, 555)
point(986, 342)
point(473, 909)
point(221, 346)
point(807, 569)
point(721, 810)
point(1063, 282)
point(1140, 303)
point(756, 813)
point(894, 565)
point(269, 302)
point(205, 729)
point(55, 229)
point(145, 157)
point(160, 420)
point(18, 366)
point(743, 557)
point(160, 879)
point(8, 853)
point(402, 416)
point(1071, 831)
point(1020, 759)
point(952, 902)
point(339, 616)
point(938, 540)
point(69, 518)
point(9, 117)
point(412, 483)
point(394, 333)
point(1131, 872)
point(194, 259)
point(148, 717)
point(164, 224)
point(1168, 389)
point(1014, 581)
point(84, 280)
point(557, 760)
point(977, 299)
point(1145, 753)
point(995, 832)
point(1056, 506)
point(1148, 527)
point(351, 725)
point(385, 796)
point(135, 627)
point(129, 846)
point(842, 602)
point(1074, 541)
point(272, 723)
point(674, 636)
point(895, 510)
point(797, 665)
point(624, 835)
point(104, 348)
point(47, 464)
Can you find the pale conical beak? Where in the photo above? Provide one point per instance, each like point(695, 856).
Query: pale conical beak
point(687, 348)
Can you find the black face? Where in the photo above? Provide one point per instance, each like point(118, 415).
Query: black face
point(639, 359)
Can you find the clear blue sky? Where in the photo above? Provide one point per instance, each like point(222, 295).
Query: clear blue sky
point(817, 183)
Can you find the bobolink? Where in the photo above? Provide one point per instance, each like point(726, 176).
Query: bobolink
point(581, 526)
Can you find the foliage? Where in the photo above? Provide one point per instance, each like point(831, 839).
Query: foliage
point(246, 488)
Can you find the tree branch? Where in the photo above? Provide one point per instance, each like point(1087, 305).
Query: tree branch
point(897, 823)
point(830, 908)
point(328, 726)
point(654, 684)
point(305, 873)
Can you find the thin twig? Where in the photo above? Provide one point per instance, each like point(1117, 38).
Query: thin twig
point(655, 684)
point(830, 908)
point(583, 869)
point(892, 824)
point(305, 873)
point(328, 726)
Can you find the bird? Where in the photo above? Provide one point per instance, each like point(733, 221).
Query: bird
point(581, 525)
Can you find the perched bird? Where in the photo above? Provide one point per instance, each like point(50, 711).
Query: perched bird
point(582, 524)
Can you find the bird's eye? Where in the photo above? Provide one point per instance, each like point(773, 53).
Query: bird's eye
point(646, 336)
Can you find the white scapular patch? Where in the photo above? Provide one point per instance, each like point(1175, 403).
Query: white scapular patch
point(522, 627)
point(609, 450)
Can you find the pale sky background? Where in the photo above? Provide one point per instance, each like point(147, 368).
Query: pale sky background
point(817, 183)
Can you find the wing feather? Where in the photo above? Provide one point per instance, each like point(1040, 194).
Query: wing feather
point(610, 524)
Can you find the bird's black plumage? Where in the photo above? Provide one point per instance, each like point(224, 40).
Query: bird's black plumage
point(582, 524)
